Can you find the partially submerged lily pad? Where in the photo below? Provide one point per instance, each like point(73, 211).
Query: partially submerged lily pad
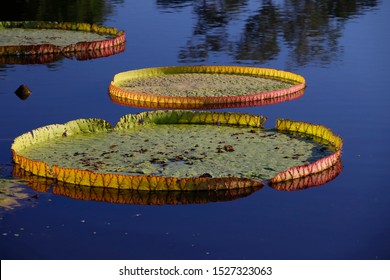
point(177, 150)
point(196, 87)
point(32, 38)
point(12, 192)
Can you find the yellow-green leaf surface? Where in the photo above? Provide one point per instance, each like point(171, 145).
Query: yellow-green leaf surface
point(175, 150)
point(200, 86)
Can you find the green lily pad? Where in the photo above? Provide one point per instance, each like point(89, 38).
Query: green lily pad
point(24, 40)
point(204, 87)
point(168, 150)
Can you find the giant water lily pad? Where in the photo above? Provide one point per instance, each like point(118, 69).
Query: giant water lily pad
point(177, 150)
point(201, 87)
point(36, 38)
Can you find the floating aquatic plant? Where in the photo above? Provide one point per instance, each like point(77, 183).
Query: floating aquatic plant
point(200, 87)
point(177, 151)
point(12, 192)
point(35, 38)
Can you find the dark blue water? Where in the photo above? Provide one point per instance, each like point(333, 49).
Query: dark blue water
point(342, 51)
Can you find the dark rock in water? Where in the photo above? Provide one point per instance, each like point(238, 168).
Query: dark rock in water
point(23, 92)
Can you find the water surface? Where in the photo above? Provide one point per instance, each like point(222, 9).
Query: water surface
point(342, 51)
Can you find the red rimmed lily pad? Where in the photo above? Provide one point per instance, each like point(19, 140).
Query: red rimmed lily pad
point(43, 42)
point(207, 106)
point(177, 151)
point(203, 87)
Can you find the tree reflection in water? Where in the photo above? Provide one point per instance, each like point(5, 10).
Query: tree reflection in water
point(90, 11)
point(311, 29)
point(245, 30)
